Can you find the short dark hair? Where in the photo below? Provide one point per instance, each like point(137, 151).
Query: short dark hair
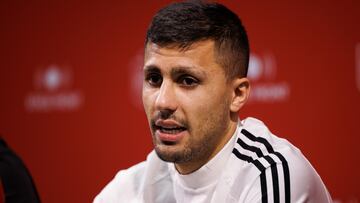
point(182, 24)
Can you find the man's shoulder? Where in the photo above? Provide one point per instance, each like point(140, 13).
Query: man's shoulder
point(257, 139)
point(129, 184)
point(273, 163)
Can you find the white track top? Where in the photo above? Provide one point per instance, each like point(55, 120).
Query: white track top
point(254, 166)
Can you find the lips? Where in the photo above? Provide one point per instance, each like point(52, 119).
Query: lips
point(169, 130)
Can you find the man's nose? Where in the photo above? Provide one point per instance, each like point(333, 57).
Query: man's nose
point(166, 98)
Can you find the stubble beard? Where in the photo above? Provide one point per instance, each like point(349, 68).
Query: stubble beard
point(195, 150)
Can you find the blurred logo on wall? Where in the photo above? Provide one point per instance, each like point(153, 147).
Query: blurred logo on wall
point(136, 74)
point(265, 88)
point(357, 65)
point(52, 91)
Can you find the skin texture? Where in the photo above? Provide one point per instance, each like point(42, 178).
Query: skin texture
point(188, 90)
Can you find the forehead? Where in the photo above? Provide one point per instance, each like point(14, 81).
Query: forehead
point(199, 55)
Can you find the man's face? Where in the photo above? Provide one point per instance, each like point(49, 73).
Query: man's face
point(186, 98)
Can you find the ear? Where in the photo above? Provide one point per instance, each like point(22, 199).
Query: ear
point(240, 93)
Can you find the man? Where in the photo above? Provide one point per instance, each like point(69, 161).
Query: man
point(195, 65)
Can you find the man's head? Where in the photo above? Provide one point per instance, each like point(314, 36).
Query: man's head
point(195, 63)
point(181, 24)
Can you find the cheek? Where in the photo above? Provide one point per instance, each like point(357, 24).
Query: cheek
point(205, 98)
point(199, 107)
point(147, 99)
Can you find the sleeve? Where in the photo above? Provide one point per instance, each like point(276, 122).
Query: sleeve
point(261, 190)
point(305, 185)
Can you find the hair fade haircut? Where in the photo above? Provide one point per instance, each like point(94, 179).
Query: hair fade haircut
point(182, 24)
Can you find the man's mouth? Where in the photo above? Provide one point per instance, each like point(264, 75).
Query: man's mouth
point(169, 131)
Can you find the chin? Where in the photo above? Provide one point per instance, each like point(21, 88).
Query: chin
point(171, 154)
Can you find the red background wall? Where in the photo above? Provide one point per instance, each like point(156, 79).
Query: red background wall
point(308, 70)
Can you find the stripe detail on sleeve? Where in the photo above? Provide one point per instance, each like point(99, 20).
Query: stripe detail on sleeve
point(274, 172)
point(270, 150)
point(261, 169)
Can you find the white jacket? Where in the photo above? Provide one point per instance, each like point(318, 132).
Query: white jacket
point(261, 168)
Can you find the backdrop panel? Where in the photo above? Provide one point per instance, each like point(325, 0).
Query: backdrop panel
point(70, 81)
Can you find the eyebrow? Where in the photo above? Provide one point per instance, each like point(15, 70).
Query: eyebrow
point(151, 69)
point(177, 70)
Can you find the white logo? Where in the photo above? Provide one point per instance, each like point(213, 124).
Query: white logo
point(52, 78)
point(357, 65)
point(136, 71)
point(264, 67)
point(262, 74)
point(52, 91)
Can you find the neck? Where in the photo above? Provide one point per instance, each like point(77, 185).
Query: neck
point(189, 167)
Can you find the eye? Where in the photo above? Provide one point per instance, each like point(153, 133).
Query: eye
point(188, 81)
point(154, 79)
